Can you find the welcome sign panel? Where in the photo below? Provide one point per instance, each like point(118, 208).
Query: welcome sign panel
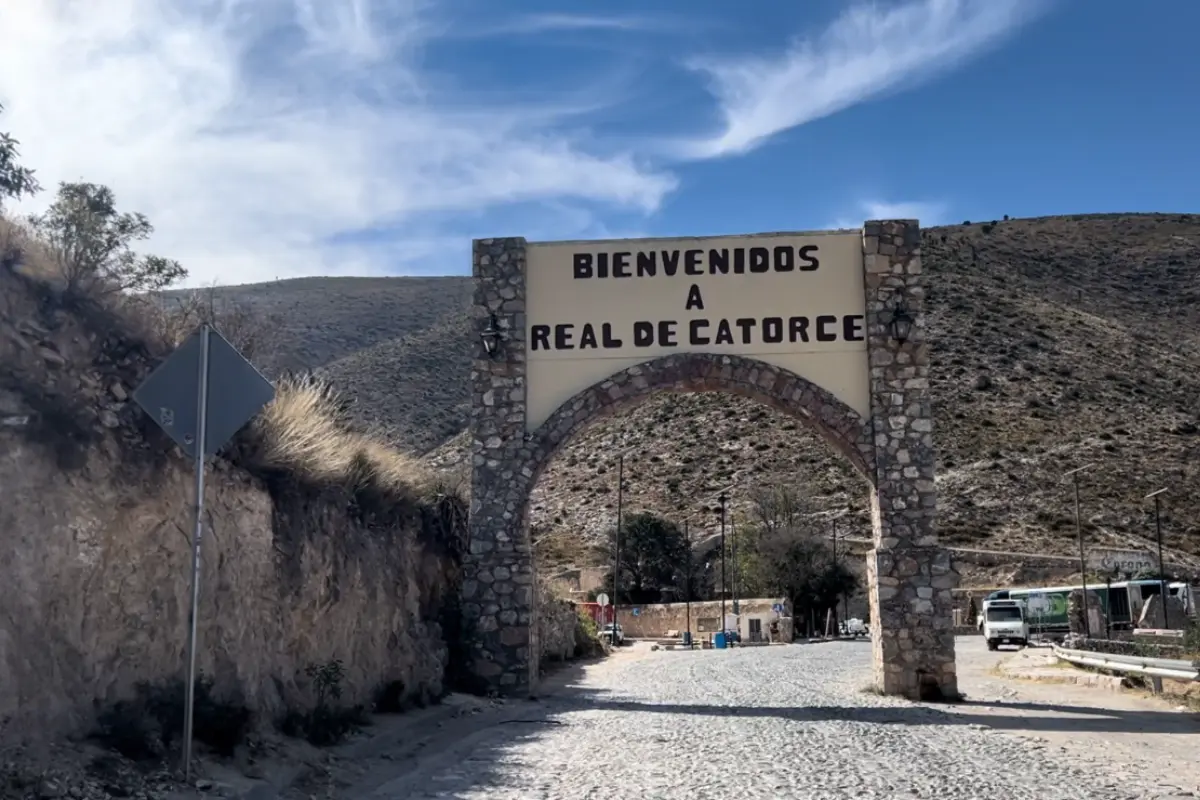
point(792, 300)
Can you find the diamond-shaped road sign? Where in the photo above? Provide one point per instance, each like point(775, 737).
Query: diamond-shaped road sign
point(236, 392)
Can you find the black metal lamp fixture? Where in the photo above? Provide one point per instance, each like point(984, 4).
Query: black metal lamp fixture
point(900, 321)
point(491, 336)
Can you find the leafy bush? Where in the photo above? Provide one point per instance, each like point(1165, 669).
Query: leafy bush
point(587, 636)
point(326, 723)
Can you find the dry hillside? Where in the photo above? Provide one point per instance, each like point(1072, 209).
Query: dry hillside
point(1057, 341)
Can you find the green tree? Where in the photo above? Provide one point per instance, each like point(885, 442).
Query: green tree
point(653, 558)
point(92, 243)
point(802, 568)
point(15, 181)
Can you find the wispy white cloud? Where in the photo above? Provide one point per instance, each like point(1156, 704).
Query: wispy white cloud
point(866, 51)
point(928, 213)
point(548, 23)
point(260, 135)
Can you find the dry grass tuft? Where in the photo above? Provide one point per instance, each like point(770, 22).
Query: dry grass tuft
point(21, 251)
point(304, 431)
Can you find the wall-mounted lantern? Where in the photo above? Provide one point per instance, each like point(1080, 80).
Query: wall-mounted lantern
point(900, 321)
point(491, 336)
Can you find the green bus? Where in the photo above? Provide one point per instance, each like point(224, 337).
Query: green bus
point(1046, 607)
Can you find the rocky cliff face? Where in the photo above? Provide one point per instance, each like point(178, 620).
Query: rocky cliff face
point(95, 529)
point(96, 591)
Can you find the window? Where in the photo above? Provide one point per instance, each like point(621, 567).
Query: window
point(1004, 614)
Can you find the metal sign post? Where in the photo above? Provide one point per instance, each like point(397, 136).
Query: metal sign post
point(197, 533)
point(201, 396)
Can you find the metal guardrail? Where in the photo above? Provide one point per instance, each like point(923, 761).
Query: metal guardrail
point(1176, 669)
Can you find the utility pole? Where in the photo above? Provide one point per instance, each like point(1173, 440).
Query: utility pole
point(1162, 569)
point(733, 557)
point(1074, 476)
point(723, 500)
point(833, 523)
point(687, 583)
point(617, 547)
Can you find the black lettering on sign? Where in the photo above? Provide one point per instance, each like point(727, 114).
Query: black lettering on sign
point(785, 259)
point(747, 325)
point(643, 334)
point(760, 259)
point(583, 265)
point(670, 259)
point(693, 299)
point(620, 265)
point(808, 255)
point(647, 264)
point(699, 332)
point(718, 262)
point(823, 332)
point(772, 330)
point(797, 329)
point(644, 264)
point(724, 332)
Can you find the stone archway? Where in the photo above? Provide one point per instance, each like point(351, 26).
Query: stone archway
point(778, 388)
point(909, 577)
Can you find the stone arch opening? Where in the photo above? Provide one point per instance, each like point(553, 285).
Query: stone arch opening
point(838, 425)
point(909, 578)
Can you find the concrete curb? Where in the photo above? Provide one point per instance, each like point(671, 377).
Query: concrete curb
point(1064, 674)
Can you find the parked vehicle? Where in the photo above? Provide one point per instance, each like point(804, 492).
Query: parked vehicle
point(854, 627)
point(1046, 607)
point(613, 634)
point(1004, 623)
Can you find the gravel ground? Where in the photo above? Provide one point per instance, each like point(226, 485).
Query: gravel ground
point(770, 722)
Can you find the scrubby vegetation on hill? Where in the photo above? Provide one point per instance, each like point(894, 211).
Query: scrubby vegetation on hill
point(1057, 341)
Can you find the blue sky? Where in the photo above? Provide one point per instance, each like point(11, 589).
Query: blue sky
point(278, 138)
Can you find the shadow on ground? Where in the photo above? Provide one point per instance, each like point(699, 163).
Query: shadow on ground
point(490, 757)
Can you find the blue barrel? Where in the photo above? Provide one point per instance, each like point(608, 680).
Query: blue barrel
point(719, 641)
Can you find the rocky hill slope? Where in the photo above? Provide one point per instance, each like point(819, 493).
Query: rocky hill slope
point(1057, 341)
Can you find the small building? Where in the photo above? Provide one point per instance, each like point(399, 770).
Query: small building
point(757, 619)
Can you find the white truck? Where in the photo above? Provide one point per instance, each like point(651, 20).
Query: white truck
point(854, 627)
point(1004, 622)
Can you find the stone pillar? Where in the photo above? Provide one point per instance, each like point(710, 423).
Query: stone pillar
point(909, 577)
point(498, 597)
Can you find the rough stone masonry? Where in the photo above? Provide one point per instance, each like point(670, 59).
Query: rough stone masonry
point(910, 577)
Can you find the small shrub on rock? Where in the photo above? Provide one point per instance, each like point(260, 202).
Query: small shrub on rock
point(327, 723)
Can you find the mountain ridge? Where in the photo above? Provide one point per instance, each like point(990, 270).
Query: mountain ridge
point(1055, 340)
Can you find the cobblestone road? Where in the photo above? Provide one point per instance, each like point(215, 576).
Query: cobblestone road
point(778, 722)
